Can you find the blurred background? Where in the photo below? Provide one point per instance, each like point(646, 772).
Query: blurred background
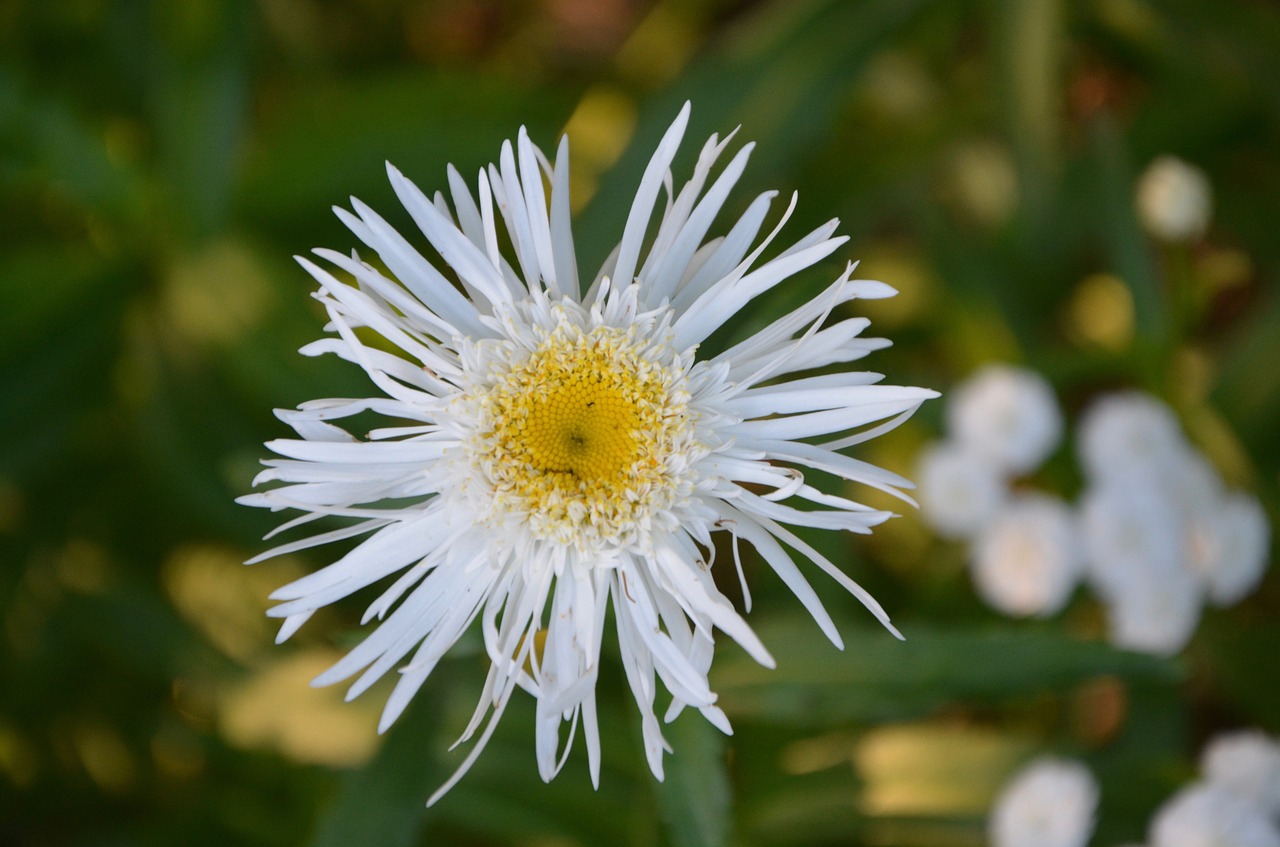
point(160, 163)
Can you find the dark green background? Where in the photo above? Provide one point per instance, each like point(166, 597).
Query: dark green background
point(160, 163)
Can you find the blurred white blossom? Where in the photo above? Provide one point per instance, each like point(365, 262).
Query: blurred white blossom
point(1160, 618)
point(1027, 562)
point(1161, 532)
point(1156, 532)
point(1131, 538)
point(1127, 435)
point(1203, 815)
point(1233, 552)
point(960, 490)
point(1050, 803)
point(1175, 200)
point(1007, 414)
point(1136, 563)
point(1245, 763)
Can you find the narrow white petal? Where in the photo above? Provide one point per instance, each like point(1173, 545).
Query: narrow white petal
point(535, 200)
point(646, 194)
point(453, 246)
point(411, 268)
point(667, 277)
point(565, 260)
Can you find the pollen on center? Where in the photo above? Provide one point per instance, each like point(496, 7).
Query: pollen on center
point(586, 426)
point(579, 414)
point(580, 433)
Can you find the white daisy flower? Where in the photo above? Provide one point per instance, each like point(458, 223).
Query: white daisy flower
point(556, 449)
point(1247, 764)
point(1007, 414)
point(1202, 815)
point(1027, 561)
point(1050, 803)
point(960, 491)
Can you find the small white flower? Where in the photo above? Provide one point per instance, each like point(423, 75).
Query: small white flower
point(1158, 619)
point(1125, 436)
point(1027, 561)
point(1231, 549)
point(960, 491)
point(558, 445)
point(1247, 764)
point(1192, 481)
point(1206, 816)
point(1131, 537)
point(1174, 199)
point(1008, 415)
point(1050, 803)
point(1135, 561)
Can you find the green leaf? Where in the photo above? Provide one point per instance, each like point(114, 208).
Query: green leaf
point(695, 799)
point(1125, 242)
point(384, 802)
point(47, 144)
point(201, 101)
point(331, 140)
point(877, 678)
point(1250, 395)
point(1239, 654)
point(782, 75)
point(1029, 34)
point(55, 283)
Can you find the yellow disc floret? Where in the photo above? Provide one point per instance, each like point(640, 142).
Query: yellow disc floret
point(583, 421)
point(577, 435)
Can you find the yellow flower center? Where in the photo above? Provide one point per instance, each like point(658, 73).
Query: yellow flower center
point(578, 435)
point(583, 423)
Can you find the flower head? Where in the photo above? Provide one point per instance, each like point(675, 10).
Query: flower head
point(1026, 561)
point(1127, 436)
point(560, 450)
point(1174, 199)
point(960, 490)
point(1050, 803)
point(1204, 815)
point(1161, 532)
point(1231, 553)
point(1245, 763)
point(1007, 414)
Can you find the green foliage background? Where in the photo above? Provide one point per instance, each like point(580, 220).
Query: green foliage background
point(160, 163)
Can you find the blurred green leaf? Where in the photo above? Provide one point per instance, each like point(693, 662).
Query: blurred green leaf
point(56, 281)
point(45, 144)
point(1141, 768)
point(781, 74)
point(877, 678)
point(384, 802)
point(1030, 37)
point(58, 333)
point(331, 139)
point(1249, 394)
point(1128, 248)
point(1237, 657)
point(200, 97)
point(695, 797)
point(819, 808)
